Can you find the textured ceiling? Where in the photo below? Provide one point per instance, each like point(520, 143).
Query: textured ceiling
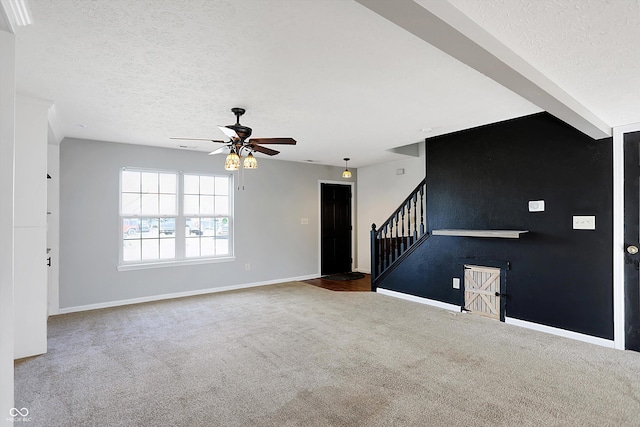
point(340, 79)
point(587, 47)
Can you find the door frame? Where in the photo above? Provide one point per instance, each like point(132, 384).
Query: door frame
point(353, 213)
point(618, 233)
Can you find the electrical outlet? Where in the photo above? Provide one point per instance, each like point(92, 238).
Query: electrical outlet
point(456, 283)
point(247, 266)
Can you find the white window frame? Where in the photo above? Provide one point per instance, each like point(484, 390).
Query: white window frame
point(180, 226)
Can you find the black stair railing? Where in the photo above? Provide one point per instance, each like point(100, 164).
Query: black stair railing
point(395, 238)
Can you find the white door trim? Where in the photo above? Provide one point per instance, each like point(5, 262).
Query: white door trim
point(618, 232)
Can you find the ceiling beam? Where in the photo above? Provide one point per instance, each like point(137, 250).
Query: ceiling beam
point(445, 27)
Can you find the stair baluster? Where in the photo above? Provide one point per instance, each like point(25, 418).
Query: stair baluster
point(389, 247)
point(402, 235)
point(395, 241)
point(415, 223)
point(409, 235)
point(421, 211)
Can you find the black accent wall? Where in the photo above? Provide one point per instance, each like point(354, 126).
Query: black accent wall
point(483, 178)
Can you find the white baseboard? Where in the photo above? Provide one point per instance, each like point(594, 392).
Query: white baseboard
point(420, 300)
point(152, 298)
point(560, 332)
point(509, 320)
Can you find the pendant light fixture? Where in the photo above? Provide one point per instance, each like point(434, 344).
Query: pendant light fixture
point(250, 162)
point(232, 162)
point(346, 173)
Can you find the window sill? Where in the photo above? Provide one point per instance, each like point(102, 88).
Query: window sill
point(175, 263)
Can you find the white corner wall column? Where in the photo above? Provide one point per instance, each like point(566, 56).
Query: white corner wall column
point(7, 138)
point(53, 226)
point(30, 227)
point(54, 137)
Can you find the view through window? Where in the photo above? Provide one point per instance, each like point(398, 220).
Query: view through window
point(170, 216)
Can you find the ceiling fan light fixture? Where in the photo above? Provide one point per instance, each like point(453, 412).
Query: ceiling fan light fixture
point(239, 144)
point(250, 162)
point(232, 162)
point(346, 173)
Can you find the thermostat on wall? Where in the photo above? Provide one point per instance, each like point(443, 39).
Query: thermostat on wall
point(536, 206)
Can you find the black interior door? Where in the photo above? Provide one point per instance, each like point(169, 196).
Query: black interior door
point(632, 240)
point(335, 228)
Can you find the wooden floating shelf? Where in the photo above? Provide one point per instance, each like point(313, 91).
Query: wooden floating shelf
point(502, 234)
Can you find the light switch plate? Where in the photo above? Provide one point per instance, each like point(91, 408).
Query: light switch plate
point(584, 222)
point(456, 283)
point(304, 221)
point(536, 206)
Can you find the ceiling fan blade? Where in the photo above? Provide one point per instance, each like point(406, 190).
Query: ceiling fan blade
point(218, 151)
point(289, 141)
point(263, 150)
point(229, 132)
point(200, 139)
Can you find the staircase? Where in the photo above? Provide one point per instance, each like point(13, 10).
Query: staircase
point(399, 235)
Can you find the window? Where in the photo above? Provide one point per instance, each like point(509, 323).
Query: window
point(206, 207)
point(169, 216)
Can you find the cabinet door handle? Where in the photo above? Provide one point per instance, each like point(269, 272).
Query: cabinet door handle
point(49, 261)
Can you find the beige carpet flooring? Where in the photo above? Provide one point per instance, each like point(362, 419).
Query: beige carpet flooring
point(298, 355)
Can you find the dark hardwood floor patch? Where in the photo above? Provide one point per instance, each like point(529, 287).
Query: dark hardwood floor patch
point(359, 285)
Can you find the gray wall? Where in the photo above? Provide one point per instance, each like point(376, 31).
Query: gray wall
point(268, 230)
point(380, 192)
